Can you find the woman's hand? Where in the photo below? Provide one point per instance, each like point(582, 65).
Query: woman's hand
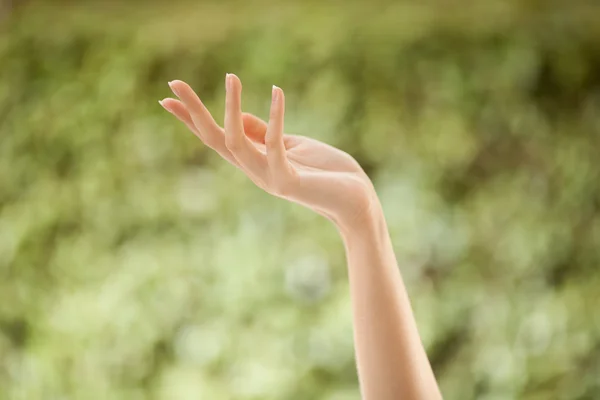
point(391, 360)
point(296, 168)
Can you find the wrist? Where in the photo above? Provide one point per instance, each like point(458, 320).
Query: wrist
point(367, 241)
point(367, 222)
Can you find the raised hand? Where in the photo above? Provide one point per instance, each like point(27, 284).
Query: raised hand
point(296, 168)
point(391, 361)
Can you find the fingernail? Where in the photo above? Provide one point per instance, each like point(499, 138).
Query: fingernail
point(275, 93)
point(173, 88)
point(161, 102)
point(228, 82)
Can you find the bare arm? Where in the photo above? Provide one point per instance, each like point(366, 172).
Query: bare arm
point(391, 360)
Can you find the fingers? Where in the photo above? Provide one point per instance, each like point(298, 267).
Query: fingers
point(247, 155)
point(176, 108)
point(243, 132)
point(214, 139)
point(279, 167)
point(207, 127)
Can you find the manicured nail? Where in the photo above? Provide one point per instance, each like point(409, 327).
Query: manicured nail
point(228, 82)
point(275, 93)
point(161, 102)
point(173, 88)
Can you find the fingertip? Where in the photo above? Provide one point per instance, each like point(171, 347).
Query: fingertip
point(277, 96)
point(168, 101)
point(277, 103)
point(178, 87)
point(232, 82)
point(233, 96)
point(165, 104)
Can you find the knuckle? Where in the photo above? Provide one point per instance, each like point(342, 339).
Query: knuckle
point(283, 183)
point(232, 143)
point(271, 140)
point(280, 186)
point(209, 140)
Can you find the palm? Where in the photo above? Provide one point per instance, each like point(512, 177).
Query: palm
point(304, 153)
point(329, 176)
point(310, 154)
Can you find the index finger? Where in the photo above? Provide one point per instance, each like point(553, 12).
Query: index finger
point(199, 113)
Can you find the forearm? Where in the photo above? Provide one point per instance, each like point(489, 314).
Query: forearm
point(391, 360)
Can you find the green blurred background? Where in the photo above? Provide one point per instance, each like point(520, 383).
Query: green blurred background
point(136, 264)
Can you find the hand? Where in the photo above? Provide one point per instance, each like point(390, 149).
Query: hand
point(303, 170)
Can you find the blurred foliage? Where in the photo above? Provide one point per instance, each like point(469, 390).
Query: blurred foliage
point(134, 263)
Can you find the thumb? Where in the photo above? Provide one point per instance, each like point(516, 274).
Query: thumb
point(254, 127)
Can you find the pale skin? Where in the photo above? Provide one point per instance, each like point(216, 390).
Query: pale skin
point(390, 357)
